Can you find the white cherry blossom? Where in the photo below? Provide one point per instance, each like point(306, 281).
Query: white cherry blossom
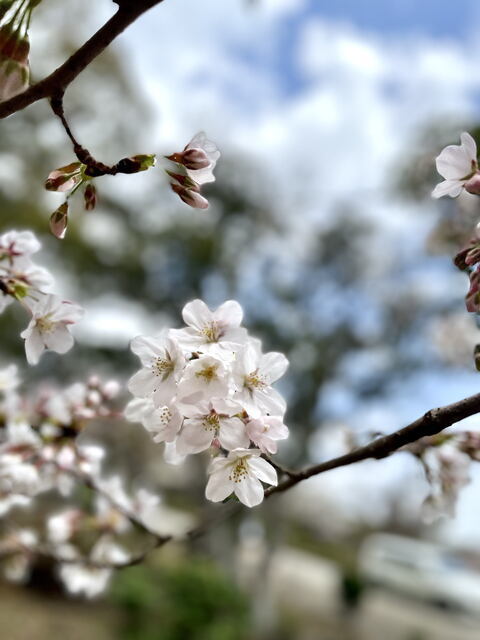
point(164, 423)
point(163, 363)
point(265, 431)
point(49, 326)
point(254, 373)
point(457, 164)
point(215, 332)
point(210, 421)
point(204, 378)
point(241, 472)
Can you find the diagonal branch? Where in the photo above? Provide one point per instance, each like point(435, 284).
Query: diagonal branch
point(429, 424)
point(59, 80)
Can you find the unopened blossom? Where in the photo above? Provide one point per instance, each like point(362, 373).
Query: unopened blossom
point(14, 66)
point(203, 378)
point(212, 421)
point(265, 431)
point(214, 332)
point(192, 197)
point(242, 473)
point(65, 178)
point(163, 363)
point(49, 326)
point(199, 158)
point(458, 165)
point(195, 168)
point(254, 373)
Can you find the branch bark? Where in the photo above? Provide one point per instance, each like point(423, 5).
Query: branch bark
point(429, 424)
point(63, 76)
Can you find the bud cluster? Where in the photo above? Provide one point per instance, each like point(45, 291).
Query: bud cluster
point(27, 283)
point(208, 387)
point(15, 16)
point(195, 165)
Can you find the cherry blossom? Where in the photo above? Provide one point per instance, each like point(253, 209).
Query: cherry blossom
point(210, 421)
point(163, 363)
point(205, 377)
point(49, 327)
point(458, 165)
point(265, 431)
point(208, 330)
point(254, 373)
point(242, 473)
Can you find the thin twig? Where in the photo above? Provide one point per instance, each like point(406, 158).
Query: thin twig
point(63, 76)
point(429, 424)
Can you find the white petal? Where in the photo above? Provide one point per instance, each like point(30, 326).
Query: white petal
point(273, 365)
point(270, 401)
point(59, 339)
point(142, 383)
point(454, 163)
point(263, 470)
point(147, 348)
point(196, 314)
point(229, 313)
point(470, 145)
point(34, 346)
point(219, 486)
point(232, 434)
point(249, 491)
point(194, 438)
point(450, 188)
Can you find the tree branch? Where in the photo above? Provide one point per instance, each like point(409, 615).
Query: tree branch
point(429, 424)
point(58, 81)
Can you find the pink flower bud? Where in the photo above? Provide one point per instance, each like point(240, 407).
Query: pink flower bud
point(64, 178)
point(90, 197)
point(192, 198)
point(473, 185)
point(59, 221)
point(191, 159)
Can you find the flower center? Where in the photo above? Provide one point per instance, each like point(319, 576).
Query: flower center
point(212, 332)
point(163, 368)
point(239, 471)
point(211, 423)
point(208, 373)
point(255, 380)
point(165, 415)
point(45, 324)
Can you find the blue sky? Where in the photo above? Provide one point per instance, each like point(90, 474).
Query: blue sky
point(436, 18)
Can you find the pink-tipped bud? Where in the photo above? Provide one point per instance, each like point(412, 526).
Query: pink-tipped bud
point(90, 197)
point(192, 198)
point(64, 178)
point(184, 180)
point(473, 185)
point(192, 159)
point(59, 221)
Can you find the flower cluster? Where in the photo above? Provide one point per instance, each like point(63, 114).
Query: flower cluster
point(15, 18)
point(39, 452)
point(195, 165)
point(208, 386)
point(22, 280)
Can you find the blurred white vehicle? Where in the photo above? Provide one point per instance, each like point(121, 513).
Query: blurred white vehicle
point(422, 570)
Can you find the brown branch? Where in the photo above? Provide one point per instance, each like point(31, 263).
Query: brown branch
point(94, 168)
point(63, 76)
point(429, 424)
